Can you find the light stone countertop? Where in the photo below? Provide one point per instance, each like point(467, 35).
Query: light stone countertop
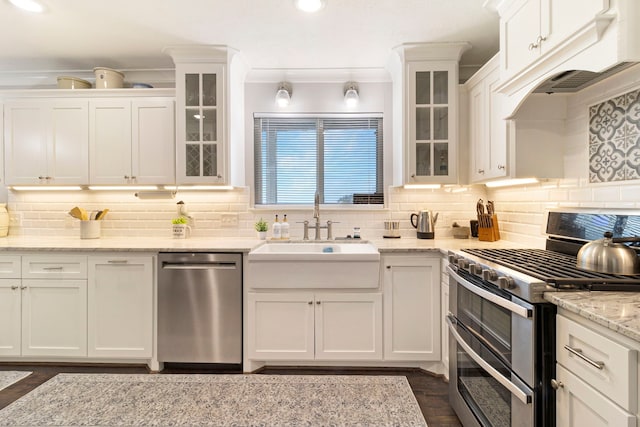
point(618, 311)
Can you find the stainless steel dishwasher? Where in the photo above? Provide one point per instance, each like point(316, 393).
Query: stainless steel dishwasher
point(200, 308)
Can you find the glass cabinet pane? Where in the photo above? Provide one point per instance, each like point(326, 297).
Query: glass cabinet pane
point(423, 124)
point(209, 125)
point(440, 87)
point(192, 122)
point(192, 152)
point(440, 123)
point(441, 158)
point(423, 87)
point(192, 90)
point(209, 90)
point(210, 160)
point(423, 159)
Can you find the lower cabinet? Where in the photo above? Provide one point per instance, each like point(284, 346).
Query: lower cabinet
point(120, 306)
point(315, 326)
point(54, 313)
point(10, 317)
point(596, 376)
point(411, 307)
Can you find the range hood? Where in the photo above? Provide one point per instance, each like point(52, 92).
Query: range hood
point(575, 80)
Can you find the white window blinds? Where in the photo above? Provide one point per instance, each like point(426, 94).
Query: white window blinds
point(340, 157)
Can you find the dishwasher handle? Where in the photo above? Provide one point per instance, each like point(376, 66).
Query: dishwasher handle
point(199, 265)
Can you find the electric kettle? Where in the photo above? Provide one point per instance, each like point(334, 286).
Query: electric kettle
point(425, 223)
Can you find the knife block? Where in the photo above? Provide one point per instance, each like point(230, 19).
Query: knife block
point(488, 234)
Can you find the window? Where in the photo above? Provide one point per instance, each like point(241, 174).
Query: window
point(340, 157)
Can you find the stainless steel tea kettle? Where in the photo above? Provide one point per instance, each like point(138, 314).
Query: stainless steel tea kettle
point(425, 224)
point(609, 255)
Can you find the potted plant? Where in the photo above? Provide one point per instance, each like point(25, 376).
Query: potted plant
point(261, 227)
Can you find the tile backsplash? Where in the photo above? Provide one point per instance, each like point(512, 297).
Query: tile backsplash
point(614, 139)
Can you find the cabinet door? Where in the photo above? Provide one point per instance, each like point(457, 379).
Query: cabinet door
point(348, 326)
point(432, 122)
point(120, 306)
point(26, 127)
point(10, 302)
point(68, 147)
point(578, 405)
point(412, 308)
point(478, 138)
point(200, 136)
point(110, 141)
point(561, 19)
point(54, 317)
point(519, 29)
point(153, 147)
point(281, 326)
point(496, 159)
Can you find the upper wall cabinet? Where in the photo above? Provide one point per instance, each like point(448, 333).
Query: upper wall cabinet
point(46, 141)
point(487, 128)
point(542, 38)
point(132, 141)
point(430, 111)
point(201, 119)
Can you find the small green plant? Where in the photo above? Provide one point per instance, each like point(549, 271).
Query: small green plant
point(261, 225)
point(179, 220)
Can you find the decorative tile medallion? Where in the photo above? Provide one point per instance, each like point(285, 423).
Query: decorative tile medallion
point(614, 139)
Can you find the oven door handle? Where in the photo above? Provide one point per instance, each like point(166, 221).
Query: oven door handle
point(524, 396)
point(496, 299)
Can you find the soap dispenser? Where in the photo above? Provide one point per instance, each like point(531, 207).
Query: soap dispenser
point(284, 228)
point(276, 229)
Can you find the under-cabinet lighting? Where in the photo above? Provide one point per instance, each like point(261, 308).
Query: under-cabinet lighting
point(28, 5)
point(422, 186)
point(511, 182)
point(455, 188)
point(157, 194)
point(123, 187)
point(198, 187)
point(310, 6)
point(46, 187)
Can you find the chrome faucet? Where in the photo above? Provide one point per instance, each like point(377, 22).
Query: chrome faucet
point(317, 226)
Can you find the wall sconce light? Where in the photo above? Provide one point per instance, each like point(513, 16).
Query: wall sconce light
point(351, 96)
point(283, 96)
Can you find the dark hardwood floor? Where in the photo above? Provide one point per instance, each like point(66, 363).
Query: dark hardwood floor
point(430, 390)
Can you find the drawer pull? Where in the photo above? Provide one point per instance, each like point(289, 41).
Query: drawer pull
point(578, 352)
point(52, 268)
point(117, 261)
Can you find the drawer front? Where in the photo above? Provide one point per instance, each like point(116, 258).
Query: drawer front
point(604, 364)
point(54, 267)
point(10, 267)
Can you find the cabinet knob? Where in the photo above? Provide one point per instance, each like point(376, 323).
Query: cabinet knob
point(480, 171)
point(41, 178)
point(502, 167)
point(310, 303)
point(23, 287)
point(388, 267)
point(317, 302)
point(533, 46)
point(14, 287)
point(540, 39)
point(413, 175)
point(555, 384)
point(133, 177)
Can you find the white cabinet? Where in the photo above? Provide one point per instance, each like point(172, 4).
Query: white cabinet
point(201, 117)
point(412, 303)
point(315, 326)
point(596, 376)
point(131, 141)
point(10, 305)
point(429, 110)
point(120, 306)
point(46, 141)
point(531, 29)
point(487, 126)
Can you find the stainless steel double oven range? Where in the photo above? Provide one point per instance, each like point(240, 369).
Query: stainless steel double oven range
point(502, 331)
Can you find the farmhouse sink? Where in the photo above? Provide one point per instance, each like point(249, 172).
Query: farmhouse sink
point(314, 265)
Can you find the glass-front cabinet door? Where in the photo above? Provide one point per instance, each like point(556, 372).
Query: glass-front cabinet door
point(432, 122)
point(200, 142)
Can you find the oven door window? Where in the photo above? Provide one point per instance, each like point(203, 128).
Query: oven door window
point(488, 321)
point(491, 402)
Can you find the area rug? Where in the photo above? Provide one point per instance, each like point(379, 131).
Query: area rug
point(10, 377)
point(216, 400)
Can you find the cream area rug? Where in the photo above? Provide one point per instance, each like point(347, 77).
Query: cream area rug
point(216, 400)
point(10, 377)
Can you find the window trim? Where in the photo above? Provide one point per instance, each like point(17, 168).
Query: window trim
point(336, 206)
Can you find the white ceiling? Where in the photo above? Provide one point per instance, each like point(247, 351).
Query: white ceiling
point(130, 34)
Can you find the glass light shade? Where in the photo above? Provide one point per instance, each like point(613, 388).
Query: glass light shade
point(310, 6)
point(351, 97)
point(282, 97)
